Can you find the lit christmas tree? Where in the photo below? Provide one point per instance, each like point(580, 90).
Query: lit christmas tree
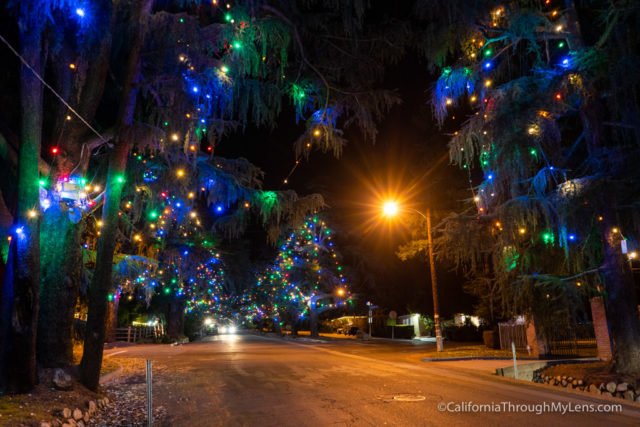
point(554, 212)
point(306, 278)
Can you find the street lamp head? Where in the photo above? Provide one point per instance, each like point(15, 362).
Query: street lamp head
point(390, 208)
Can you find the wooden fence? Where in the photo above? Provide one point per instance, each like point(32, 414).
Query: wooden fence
point(137, 333)
point(512, 332)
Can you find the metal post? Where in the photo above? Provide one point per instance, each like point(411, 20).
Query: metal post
point(434, 285)
point(149, 395)
point(515, 364)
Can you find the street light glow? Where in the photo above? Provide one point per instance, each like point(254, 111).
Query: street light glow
point(390, 208)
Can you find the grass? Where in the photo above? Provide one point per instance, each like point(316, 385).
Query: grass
point(471, 350)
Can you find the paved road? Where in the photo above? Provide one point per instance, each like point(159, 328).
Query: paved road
point(251, 380)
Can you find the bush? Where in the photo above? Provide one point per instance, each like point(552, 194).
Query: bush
point(462, 333)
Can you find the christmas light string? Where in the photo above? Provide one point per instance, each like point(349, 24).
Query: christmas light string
point(57, 95)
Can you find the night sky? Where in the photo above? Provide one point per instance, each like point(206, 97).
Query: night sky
point(410, 152)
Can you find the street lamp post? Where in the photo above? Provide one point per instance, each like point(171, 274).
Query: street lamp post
point(434, 285)
point(391, 209)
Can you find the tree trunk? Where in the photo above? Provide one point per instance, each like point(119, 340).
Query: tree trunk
point(111, 322)
point(313, 319)
point(622, 309)
point(62, 255)
point(25, 275)
point(101, 284)
point(175, 319)
point(61, 268)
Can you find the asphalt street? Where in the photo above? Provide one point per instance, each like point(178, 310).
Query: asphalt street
point(253, 380)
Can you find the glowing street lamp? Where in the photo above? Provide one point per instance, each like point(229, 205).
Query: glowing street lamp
point(391, 209)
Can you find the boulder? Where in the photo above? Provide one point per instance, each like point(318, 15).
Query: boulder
point(628, 395)
point(45, 424)
point(77, 414)
point(62, 380)
point(611, 387)
point(66, 413)
point(622, 387)
point(92, 407)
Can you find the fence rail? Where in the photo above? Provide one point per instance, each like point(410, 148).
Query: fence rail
point(137, 333)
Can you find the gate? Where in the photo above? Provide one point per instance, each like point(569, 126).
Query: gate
point(579, 341)
point(512, 332)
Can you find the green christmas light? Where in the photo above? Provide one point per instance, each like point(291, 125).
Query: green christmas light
point(120, 179)
point(153, 214)
point(237, 45)
point(227, 17)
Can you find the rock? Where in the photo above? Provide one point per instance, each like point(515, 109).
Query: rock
point(574, 382)
point(629, 395)
point(570, 379)
point(91, 405)
point(56, 423)
point(77, 414)
point(66, 425)
point(593, 389)
point(106, 401)
point(72, 422)
point(45, 424)
point(81, 423)
point(61, 380)
point(564, 383)
point(86, 417)
point(66, 413)
point(622, 387)
point(611, 387)
point(558, 378)
point(606, 393)
point(638, 398)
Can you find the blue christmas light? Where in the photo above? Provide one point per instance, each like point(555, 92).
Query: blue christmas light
point(488, 65)
point(565, 62)
point(80, 12)
point(219, 208)
point(572, 237)
point(195, 89)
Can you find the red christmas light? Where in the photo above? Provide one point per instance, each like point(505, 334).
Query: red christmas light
point(55, 150)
